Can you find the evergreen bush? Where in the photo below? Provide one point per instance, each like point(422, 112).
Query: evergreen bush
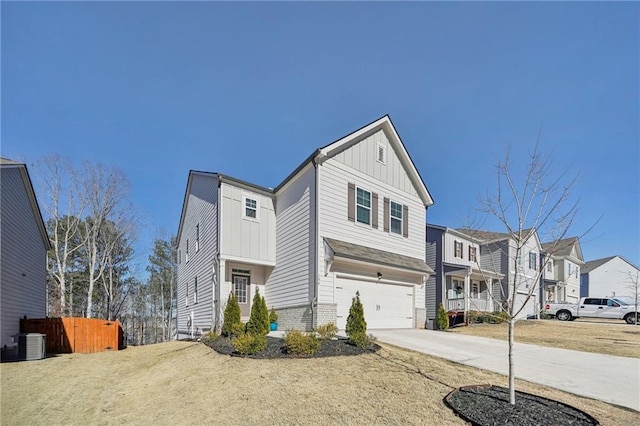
point(355, 320)
point(327, 331)
point(442, 319)
point(361, 340)
point(231, 316)
point(298, 343)
point(259, 319)
point(249, 344)
point(273, 316)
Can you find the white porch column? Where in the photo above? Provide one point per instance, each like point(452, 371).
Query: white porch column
point(490, 295)
point(467, 291)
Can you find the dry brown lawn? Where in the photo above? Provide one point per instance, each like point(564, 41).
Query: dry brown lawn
point(599, 336)
point(188, 383)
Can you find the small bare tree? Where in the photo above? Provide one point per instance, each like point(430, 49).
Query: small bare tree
point(633, 289)
point(63, 209)
point(529, 199)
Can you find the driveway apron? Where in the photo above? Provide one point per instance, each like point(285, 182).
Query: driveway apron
point(608, 378)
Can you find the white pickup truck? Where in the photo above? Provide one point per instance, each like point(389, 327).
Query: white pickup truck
point(593, 307)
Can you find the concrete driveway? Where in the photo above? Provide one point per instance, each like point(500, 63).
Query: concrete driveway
point(612, 379)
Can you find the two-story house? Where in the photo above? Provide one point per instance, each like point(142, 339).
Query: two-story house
point(351, 218)
point(516, 258)
point(561, 277)
point(24, 244)
point(461, 282)
point(612, 276)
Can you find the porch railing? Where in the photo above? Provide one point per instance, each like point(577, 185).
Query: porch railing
point(474, 304)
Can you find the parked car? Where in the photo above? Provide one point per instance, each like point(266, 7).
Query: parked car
point(593, 307)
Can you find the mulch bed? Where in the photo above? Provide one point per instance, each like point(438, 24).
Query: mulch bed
point(275, 348)
point(487, 405)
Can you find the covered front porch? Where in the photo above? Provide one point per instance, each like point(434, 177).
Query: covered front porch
point(469, 289)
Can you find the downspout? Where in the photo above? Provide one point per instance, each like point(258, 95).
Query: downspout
point(215, 315)
point(316, 231)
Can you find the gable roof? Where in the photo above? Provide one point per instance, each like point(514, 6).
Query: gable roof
point(563, 248)
point(6, 163)
point(357, 252)
point(383, 123)
point(593, 264)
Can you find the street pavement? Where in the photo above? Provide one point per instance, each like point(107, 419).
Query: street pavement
point(608, 378)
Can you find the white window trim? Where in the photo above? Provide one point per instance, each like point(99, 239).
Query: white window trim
point(242, 273)
point(195, 290)
point(475, 254)
point(197, 237)
point(186, 253)
point(457, 244)
point(380, 146)
point(364, 207)
point(533, 255)
point(391, 217)
point(244, 207)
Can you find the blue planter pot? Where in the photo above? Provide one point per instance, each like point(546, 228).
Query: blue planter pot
point(273, 326)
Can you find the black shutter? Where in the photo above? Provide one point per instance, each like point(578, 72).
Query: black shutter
point(374, 210)
point(405, 221)
point(351, 202)
point(385, 225)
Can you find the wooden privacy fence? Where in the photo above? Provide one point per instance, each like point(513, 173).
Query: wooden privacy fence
point(76, 335)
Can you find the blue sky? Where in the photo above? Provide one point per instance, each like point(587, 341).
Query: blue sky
point(251, 89)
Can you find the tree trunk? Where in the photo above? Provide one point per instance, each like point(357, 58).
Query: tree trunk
point(512, 379)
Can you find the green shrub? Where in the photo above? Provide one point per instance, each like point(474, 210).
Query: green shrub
point(259, 319)
point(210, 336)
point(298, 343)
point(327, 331)
point(361, 340)
point(237, 329)
point(355, 320)
point(442, 319)
point(249, 344)
point(231, 316)
point(273, 316)
point(477, 317)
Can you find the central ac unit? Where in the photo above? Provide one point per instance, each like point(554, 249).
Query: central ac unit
point(31, 346)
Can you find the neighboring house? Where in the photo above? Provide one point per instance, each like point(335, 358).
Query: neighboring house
point(23, 244)
point(461, 281)
point(498, 254)
point(351, 218)
point(561, 279)
point(611, 276)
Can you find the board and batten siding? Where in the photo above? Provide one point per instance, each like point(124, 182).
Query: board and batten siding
point(202, 213)
point(362, 156)
point(291, 281)
point(242, 237)
point(24, 270)
point(333, 219)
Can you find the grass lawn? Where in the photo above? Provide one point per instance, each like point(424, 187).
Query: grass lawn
point(599, 336)
point(188, 383)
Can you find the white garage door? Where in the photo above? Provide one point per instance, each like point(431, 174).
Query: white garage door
point(529, 309)
point(385, 305)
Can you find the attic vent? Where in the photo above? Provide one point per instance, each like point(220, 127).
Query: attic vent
point(381, 153)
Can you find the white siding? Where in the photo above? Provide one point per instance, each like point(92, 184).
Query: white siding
point(449, 251)
point(242, 237)
point(363, 157)
point(291, 280)
point(615, 276)
point(333, 221)
point(202, 205)
point(23, 253)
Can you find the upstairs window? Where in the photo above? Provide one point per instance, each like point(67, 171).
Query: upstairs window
point(186, 254)
point(472, 254)
point(395, 226)
point(532, 260)
point(550, 267)
point(197, 237)
point(250, 207)
point(363, 206)
point(457, 249)
point(569, 268)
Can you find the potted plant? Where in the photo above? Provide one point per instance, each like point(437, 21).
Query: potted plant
point(273, 320)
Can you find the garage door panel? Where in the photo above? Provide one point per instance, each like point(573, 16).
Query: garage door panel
point(385, 305)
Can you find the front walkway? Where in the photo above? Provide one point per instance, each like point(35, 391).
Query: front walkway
point(611, 379)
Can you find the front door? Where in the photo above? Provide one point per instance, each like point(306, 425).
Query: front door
point(241, 290)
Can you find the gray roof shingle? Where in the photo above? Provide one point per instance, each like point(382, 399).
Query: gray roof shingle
point(593, 264)
point(368, 254)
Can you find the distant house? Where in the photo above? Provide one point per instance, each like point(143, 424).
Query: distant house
point(561, 278)
point(609, 277)
point(463, 280)
point(24, 245)
point(498, 254)
point(351, 218)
